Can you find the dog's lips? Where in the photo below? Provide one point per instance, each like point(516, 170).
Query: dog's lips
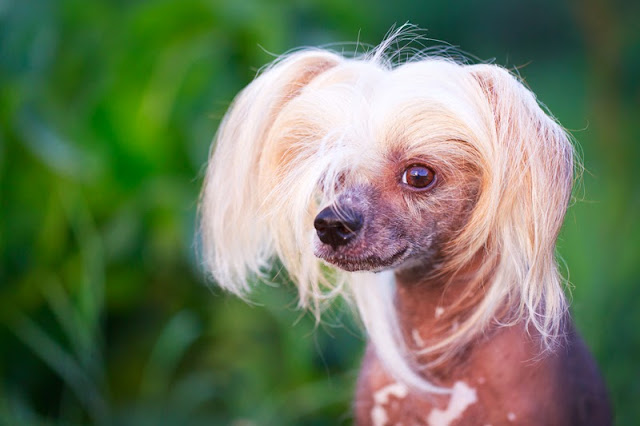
point(363, 262)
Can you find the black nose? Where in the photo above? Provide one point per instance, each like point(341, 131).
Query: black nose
point(337, 228)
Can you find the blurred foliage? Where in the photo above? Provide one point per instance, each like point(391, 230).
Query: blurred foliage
point(107, 109)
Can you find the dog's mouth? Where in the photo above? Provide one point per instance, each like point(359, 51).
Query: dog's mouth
point(371, 262)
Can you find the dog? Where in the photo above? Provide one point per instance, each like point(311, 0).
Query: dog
point(430, 194)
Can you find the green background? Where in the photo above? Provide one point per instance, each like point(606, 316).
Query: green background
point(107, 110)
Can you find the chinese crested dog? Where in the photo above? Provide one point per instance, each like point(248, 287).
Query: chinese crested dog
point(430, 194)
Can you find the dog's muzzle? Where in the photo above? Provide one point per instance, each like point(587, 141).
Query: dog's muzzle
point(337, 227)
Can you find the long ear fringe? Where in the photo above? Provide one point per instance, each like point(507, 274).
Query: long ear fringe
point(246, 224)
point(237, 246)
point(534, 165)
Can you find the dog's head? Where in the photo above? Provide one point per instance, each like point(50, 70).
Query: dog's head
point(426, 166)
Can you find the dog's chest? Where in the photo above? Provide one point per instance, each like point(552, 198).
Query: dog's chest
point(382, 401)
point(480, 395)
point(393, 404)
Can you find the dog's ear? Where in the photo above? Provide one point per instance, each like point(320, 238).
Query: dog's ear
point(526, 187)
point(234, 238)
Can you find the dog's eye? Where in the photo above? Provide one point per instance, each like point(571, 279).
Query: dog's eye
point(419, 177)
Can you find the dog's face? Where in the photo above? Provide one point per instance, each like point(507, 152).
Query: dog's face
point(402, 218)
point(394, 157)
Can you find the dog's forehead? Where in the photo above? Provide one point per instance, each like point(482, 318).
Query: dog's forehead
point(433, 80)
point(364, 111)
point(362, 97)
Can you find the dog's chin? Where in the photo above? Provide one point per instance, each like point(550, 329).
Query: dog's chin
point(352, 262)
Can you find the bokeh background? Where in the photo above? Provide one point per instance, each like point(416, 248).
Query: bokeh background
point(107, 110)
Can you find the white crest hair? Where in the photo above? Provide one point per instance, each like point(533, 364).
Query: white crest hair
point(279, 151)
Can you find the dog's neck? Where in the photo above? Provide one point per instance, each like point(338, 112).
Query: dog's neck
point(430, 307)
point(422, 303)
